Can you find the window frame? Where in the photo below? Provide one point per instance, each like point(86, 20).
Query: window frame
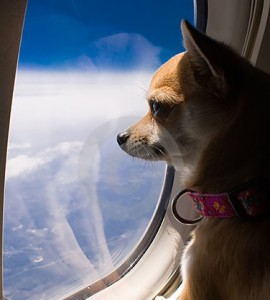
point(12, 15)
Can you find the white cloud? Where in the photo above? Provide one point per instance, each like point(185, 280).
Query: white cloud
point(25, 164)
point(122, 51)
point(21, 164)
point(46, 103)
point(13, 146)
point(127, 49)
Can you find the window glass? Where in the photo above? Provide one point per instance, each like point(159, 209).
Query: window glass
point(76, 206)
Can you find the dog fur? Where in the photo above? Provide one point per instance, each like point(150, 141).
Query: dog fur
point(208, 117)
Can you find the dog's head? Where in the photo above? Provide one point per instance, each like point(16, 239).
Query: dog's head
point(193, 98)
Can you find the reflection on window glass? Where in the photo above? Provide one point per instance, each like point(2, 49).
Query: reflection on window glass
point(76, 206)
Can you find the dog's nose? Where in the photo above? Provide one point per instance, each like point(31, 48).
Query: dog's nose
point(122, 137)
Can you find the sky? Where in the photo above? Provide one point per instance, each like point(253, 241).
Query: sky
point(75, 204)
point(108, 33)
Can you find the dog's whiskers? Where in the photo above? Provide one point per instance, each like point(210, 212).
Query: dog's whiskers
point(149, 154)
point(159, 150)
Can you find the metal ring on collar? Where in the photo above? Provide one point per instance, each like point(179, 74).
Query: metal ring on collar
point(176, 214)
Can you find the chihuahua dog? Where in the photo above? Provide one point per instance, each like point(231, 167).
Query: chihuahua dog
point(209, 118)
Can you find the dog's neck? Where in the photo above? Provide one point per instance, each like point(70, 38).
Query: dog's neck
point(238, 152)
point(224, 170)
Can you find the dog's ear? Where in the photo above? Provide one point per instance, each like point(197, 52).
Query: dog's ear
point(207, 58)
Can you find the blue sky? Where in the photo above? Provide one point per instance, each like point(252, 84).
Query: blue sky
point(59, 32)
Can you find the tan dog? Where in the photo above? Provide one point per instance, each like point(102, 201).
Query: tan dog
point(209, 118)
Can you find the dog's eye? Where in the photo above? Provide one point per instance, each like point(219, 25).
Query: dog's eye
point(155, 107)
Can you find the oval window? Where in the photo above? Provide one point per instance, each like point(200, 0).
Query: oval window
point(76, 207)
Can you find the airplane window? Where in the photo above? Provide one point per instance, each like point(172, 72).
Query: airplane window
point(76, 207)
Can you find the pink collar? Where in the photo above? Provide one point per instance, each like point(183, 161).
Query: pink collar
point(247, 200)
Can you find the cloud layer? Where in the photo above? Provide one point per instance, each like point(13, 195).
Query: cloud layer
point(75, 203)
